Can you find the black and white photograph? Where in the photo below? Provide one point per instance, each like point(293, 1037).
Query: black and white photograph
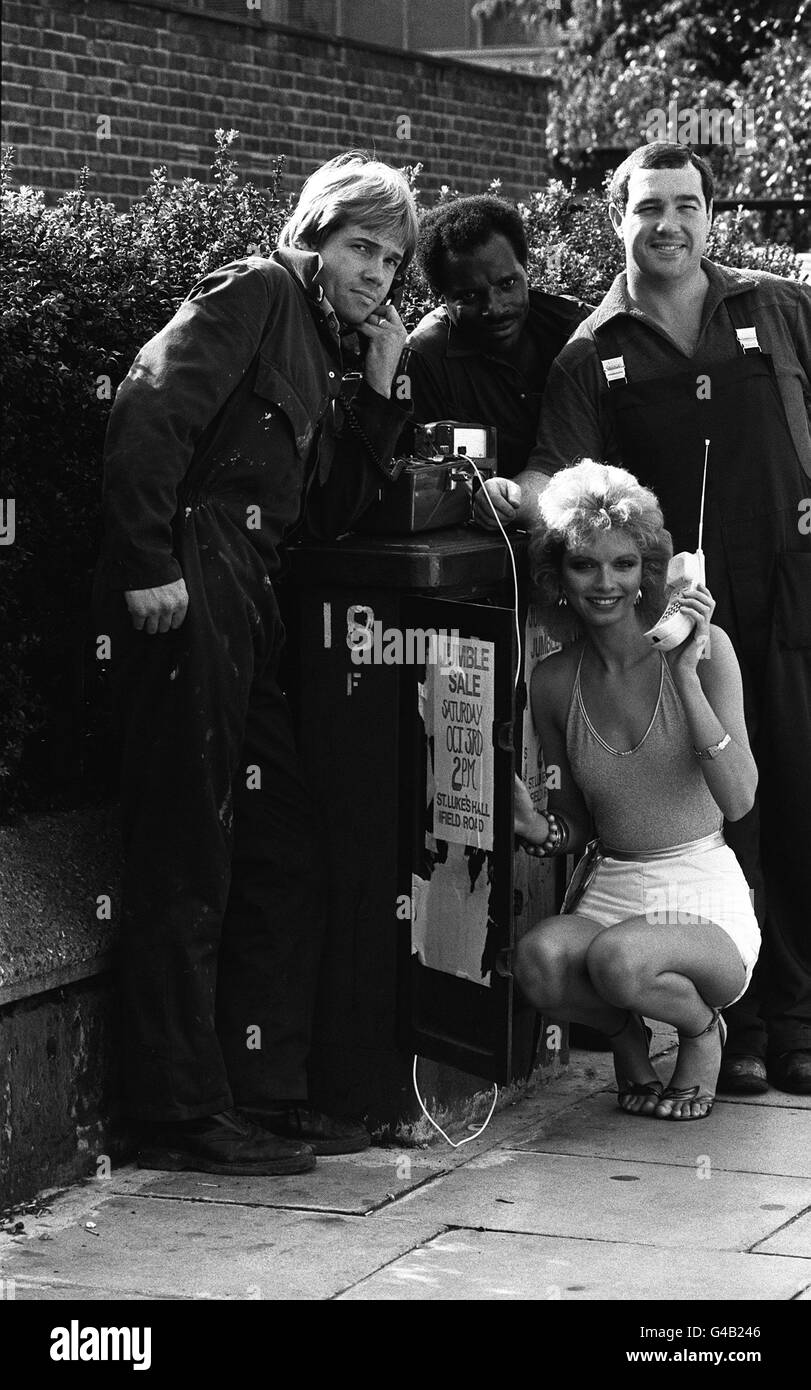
point(405, 672)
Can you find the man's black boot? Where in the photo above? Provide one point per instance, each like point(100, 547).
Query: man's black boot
point(791, 1071)
point(323, 1133)
point(744, 1075)
point(228, 1142)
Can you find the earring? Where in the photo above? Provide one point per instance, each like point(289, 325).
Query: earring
point(562, 599)
point(638, 598)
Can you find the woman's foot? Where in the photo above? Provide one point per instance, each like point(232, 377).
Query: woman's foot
point(639, 1089)
point(691, 1093)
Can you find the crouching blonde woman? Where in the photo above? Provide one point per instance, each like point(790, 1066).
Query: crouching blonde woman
point(653, 754)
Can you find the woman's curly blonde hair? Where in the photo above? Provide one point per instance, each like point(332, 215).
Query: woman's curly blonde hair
point(580, 502)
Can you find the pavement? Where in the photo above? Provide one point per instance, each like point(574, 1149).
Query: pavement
point(563, 1197)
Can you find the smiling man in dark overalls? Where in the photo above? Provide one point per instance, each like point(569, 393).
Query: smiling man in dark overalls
point(680, 351)
point(230, 428)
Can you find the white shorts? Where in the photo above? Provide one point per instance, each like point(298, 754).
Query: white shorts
point(669, 891)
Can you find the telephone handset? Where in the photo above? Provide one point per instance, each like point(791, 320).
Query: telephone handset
point(684, 569)
point(351, 380)
point(674, 626)
point(395, 294)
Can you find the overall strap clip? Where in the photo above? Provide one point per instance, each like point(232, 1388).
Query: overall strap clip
point(614, 369)
point(747, 338)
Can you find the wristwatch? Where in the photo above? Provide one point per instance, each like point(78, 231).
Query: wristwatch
point(707, 754)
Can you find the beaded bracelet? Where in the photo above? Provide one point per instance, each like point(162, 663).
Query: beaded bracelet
point(559, 834)
point(556, 840)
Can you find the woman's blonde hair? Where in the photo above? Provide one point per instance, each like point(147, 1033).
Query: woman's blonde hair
point(353, 188)
point(580, 502)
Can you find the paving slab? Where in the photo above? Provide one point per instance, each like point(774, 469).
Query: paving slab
point(27, 1290)
point(792, 1239)
point(352, 1186)
point(489, 1265)
point(735, 1138)
point(777, 1100)
point(193, 1249)
point(640, 1203)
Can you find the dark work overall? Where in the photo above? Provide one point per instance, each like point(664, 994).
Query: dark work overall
point(758, 565)
point(222, 903)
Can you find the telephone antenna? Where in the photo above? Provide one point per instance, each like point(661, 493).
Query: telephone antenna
point(703, 491)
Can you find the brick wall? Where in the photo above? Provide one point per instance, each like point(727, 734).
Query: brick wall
point(165, 76)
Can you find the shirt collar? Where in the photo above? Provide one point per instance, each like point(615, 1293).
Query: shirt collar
point(306, 266)
point(303, 265)
point(330, 315)
point(723, 283)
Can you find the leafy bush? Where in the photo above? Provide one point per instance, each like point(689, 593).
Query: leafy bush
point(83, 288)
point(574, 249)
point(619, 60)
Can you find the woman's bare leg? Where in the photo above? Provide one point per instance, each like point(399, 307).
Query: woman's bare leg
point(550, 967)
point(679, 975)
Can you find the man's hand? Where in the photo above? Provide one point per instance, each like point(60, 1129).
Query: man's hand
point(158, 610)
point(387, 335)
point(505, 496)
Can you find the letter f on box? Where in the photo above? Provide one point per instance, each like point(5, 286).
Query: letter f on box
point(7, 531)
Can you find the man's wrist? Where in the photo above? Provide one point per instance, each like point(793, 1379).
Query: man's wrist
point(528, 512)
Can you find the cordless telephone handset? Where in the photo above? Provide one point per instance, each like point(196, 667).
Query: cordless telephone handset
point(684, 569)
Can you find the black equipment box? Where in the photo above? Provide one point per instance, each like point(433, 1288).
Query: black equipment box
point(428, 494)
point(436, 484)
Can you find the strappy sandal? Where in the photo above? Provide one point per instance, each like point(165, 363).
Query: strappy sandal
point(694, 1093)
point(627, 1090)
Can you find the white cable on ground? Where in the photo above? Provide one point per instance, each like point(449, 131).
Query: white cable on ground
point(455, 1144)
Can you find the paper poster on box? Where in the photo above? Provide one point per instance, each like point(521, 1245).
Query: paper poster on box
point(464, 707)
